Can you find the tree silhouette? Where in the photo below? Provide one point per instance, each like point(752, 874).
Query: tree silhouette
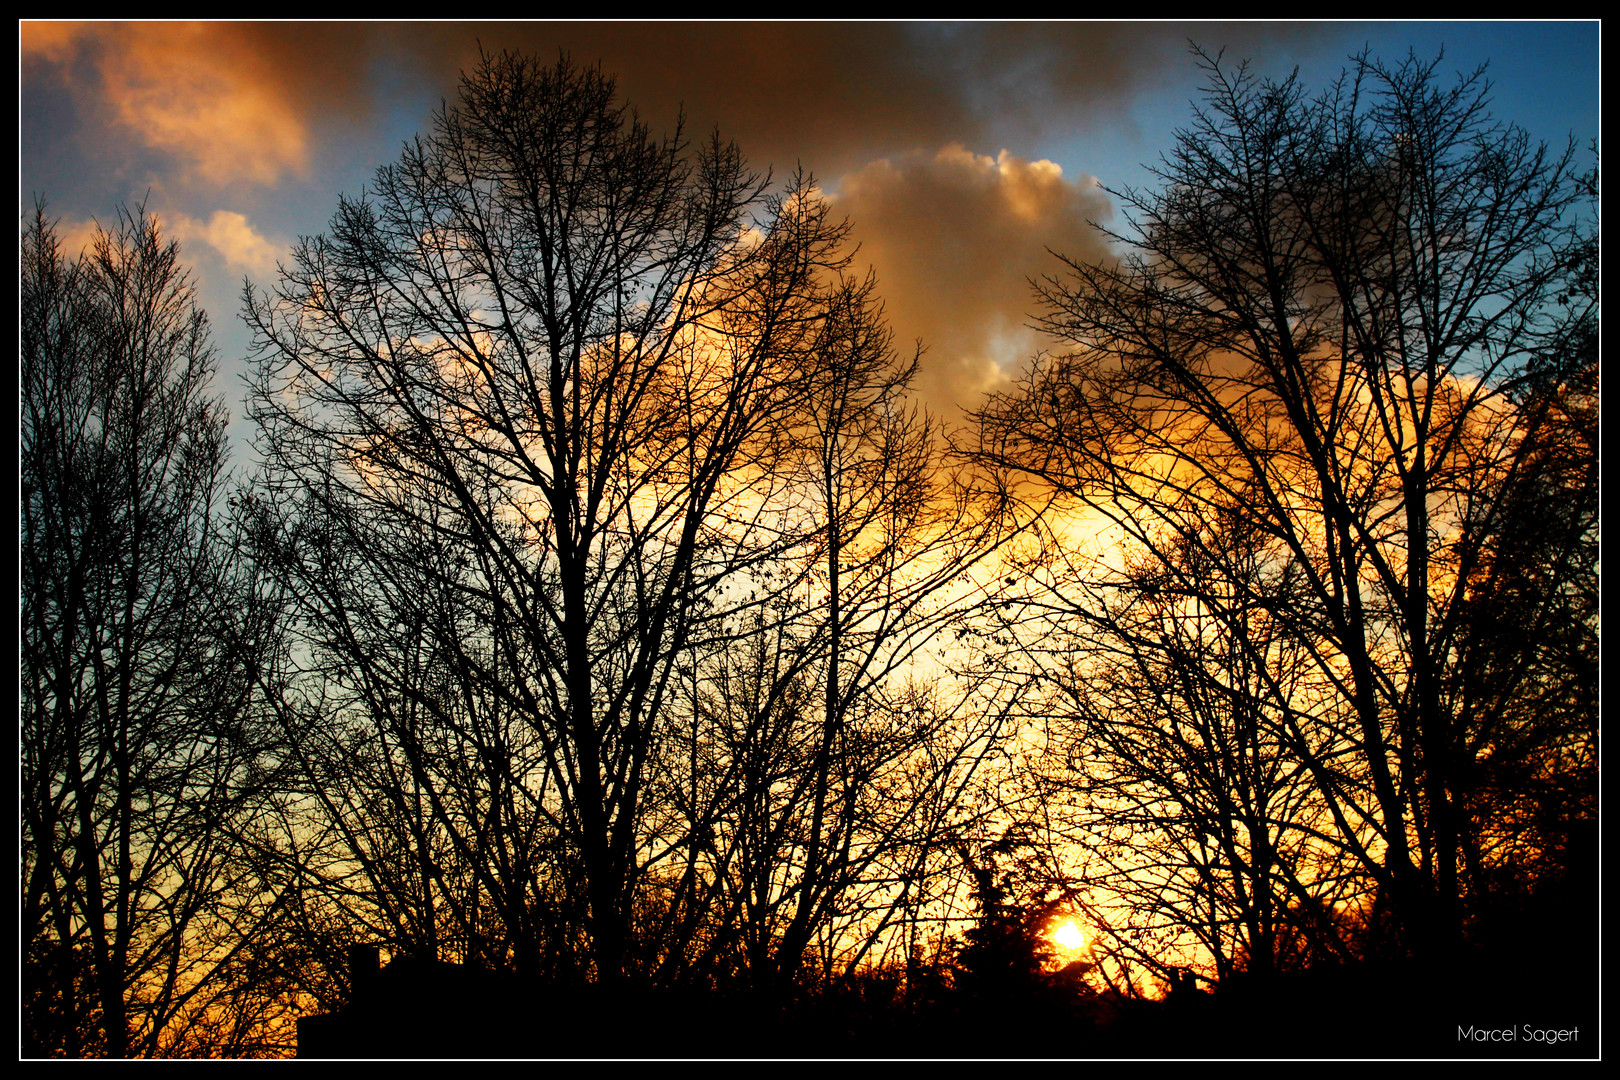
point(1007, 1001)
point(819, 779)
point(518, 410)
point(605, 632)
point(141, 639)
point(1003, 954)
point(1164, 693)
point(1322, 327)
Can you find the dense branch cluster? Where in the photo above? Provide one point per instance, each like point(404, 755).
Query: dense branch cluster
point(1313, 396)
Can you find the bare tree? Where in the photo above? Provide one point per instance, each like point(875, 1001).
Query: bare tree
point(419, 814)
point(140, 637)
point(534, 361)
point(1320, 324)
point(820, 779)
point(1167, 699)
point(1524, 673)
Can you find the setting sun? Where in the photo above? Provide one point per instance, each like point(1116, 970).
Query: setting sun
point(1069, 936)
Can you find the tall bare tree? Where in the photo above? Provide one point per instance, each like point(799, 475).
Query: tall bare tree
point(1166, 696)
point(140, 638)
point(535, 361)
point(1321, 322)
point(821, 777)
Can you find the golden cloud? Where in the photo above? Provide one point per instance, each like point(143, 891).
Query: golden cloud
point(53, 41)
point(186, 94)
point(228, 233)
point(233, 102)
point(75, 236)
point(241, 100)
point(955, 238)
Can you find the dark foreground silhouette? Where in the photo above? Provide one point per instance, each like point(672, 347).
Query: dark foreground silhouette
point(1536, 1004)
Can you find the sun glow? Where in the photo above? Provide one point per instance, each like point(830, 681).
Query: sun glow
point(1068, 936)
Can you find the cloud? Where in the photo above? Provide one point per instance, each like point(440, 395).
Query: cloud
point(954, 238)
point(834, 95)
point(233, 102)
point(75, 236)
point(228, 233)
point(953, 235)
point(53, 41)
point(248, 101)
point(186, 96)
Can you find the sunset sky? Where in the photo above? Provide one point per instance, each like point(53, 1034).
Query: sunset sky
point(961, 151)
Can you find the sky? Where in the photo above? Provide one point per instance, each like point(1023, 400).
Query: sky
point(963, 154)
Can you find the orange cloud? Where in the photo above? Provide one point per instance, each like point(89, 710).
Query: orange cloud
point(832, 95)
point(954, 238)
point(232, 102)
point(243, 100)
point(184, 93)
point(53, 41)
point(75, 236)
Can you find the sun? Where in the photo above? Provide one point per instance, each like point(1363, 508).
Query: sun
point(1068, 936)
